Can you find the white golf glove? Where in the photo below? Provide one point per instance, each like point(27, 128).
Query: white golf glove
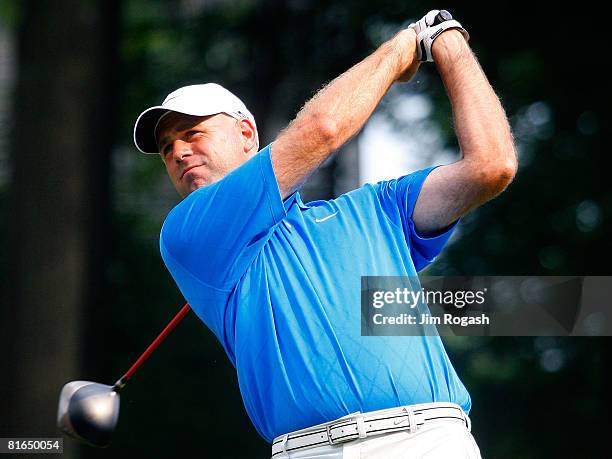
point(430, 27)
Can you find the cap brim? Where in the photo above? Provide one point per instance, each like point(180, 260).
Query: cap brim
point(144, 129)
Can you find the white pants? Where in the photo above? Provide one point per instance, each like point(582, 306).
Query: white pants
point(439, 440)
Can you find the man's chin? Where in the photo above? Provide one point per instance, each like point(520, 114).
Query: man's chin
point(194, 185)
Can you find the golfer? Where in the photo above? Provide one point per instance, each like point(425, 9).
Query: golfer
point(278, 280)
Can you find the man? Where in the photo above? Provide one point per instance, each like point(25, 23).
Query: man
point(278, 281)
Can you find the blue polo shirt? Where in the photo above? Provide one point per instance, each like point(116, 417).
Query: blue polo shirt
point(279, 284)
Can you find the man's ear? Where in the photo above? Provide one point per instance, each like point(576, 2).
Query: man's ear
point(249, 134)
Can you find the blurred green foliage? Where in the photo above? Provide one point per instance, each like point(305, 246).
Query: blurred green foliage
point(10, 13)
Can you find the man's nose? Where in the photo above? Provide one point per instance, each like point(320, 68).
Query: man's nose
point(180, 150)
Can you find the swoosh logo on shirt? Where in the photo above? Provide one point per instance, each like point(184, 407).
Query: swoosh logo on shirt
point(319, 220)
point(396, 423)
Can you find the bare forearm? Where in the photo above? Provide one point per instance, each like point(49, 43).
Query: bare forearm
point(489, 159)
point(338, 111)
point(480, 121)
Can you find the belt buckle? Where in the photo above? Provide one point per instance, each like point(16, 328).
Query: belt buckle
point(345, 437)
point(330, 440)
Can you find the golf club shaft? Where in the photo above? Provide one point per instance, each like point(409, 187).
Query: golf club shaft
point(145, 355)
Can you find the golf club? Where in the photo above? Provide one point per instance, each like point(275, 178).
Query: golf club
point(89, 411)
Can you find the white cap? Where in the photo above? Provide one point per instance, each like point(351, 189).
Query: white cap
point(197, 100)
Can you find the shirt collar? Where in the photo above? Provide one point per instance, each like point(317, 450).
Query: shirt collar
point(295, 197)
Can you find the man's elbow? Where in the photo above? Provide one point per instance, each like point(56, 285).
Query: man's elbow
point(494, 177)
point(505, 172)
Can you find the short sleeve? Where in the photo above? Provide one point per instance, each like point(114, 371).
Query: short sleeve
point(215, 233)
point(398, 198)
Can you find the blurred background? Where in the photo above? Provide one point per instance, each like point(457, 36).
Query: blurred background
point(84, 290)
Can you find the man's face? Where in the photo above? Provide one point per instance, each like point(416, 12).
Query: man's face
point(198, 151)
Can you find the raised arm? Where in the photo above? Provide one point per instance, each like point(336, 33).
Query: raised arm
point(339, 110)
point(488, 161)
